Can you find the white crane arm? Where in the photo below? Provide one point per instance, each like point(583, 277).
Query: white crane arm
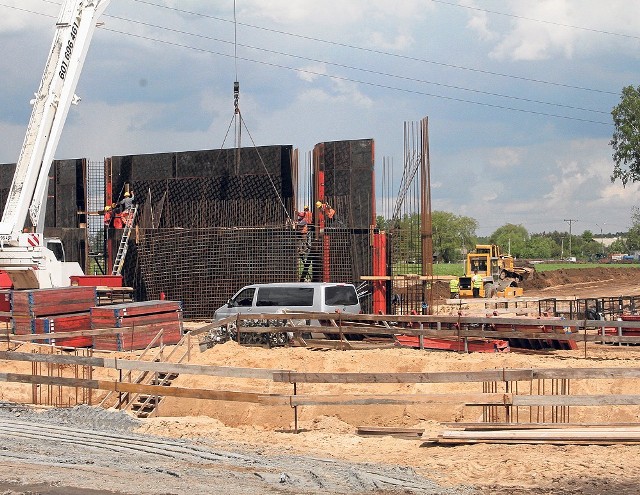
point(74, 29)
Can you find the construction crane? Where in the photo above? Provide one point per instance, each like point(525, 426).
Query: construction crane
point(24, 254)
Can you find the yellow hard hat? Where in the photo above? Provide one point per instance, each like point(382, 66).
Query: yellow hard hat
point(107, 208)
point(126, 195)
point(318, 204)
point(306, 207)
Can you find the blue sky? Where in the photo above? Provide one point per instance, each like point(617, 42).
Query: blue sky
point(518, 93)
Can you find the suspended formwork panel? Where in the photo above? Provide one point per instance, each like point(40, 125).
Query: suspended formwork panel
point(343, 179)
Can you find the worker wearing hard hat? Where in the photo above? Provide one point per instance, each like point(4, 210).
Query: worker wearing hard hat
point(326, 209)
point(305, 219)
point(108, 216)
point(126, 204)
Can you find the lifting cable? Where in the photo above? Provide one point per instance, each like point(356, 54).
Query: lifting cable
point(239, 121)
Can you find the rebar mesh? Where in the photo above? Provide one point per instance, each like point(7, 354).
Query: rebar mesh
point(95, 264)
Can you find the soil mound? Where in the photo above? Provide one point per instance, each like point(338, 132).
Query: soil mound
point(554, 278)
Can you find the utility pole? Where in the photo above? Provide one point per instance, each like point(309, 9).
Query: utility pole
point(570, 221)
point(601, 238)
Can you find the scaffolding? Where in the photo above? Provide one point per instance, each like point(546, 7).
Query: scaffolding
point(95, 262)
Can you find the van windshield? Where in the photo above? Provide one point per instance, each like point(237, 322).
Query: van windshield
point(340, 295)
point(285, 296)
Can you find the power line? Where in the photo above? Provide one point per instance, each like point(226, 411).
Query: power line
point(350, 67)
point(381, 52)
point(367, 83)
point(553, 23)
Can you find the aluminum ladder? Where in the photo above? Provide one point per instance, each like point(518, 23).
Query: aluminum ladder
point(124, 241)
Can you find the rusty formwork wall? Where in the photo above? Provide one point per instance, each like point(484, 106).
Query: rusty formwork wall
point(66, 202)
point(344, 178)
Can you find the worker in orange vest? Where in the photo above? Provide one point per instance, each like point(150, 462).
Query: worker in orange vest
point(305, 218)
point(326, 209)
point(108, 216)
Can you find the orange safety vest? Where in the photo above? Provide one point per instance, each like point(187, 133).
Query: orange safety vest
point(107, 218)
point(308, 216)
point(330, 212)
point(117, 222)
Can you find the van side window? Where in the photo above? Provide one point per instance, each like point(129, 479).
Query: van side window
point(285, 296)
point(245, 297)
point(340, 295)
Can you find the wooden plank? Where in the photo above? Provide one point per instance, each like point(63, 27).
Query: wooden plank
point(48, 380)
point(446, 441)
point(193, 393)
point(194, 369)
point(126, 364)
point(576, 400)
point(418, 377)
point(397, 399)
point(585, 373)
point(76, 333)
point(530, 426)
point(51, 358)
point(408, 433)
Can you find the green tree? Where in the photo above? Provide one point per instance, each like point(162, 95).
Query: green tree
point(626, 136)
point(381, 222)
point(540, 246)
point(618, 246)
point(452, 233)
point(633, 236)
point(511, 238)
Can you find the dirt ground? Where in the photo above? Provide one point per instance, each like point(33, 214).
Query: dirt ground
point(330, 432)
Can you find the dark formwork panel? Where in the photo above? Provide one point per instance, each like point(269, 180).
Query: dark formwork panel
point(69, 193)
point(265, 161)
point(348, 168)
point(66, 192)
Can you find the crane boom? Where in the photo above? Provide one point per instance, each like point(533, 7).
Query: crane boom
point(23, 255)
point(74, 29)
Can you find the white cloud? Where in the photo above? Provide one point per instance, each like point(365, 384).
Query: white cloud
point(310, 73)
point(505, 157)
point(479, 22)
point(523, 37)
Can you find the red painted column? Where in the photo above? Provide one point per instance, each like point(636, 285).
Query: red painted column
point(379, 270)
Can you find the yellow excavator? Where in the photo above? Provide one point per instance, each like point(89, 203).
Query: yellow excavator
point(500, 275)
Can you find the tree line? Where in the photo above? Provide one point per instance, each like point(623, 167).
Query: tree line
point(455, 235)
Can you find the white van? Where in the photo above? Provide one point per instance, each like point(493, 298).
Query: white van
point(291, 297)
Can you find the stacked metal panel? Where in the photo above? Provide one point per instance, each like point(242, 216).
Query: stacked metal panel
point(42, 311)
point(141, 323)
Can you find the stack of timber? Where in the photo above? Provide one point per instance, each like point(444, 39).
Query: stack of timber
point(141, 322)
point(453, 344)
point(63, 309)
point(555, 434)
point(529, 325)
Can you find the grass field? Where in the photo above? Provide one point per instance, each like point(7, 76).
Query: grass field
point(457, 269)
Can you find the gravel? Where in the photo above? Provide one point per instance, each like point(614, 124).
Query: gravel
point(94, 451)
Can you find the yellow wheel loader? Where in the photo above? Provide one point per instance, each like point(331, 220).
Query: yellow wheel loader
point(500, 275)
